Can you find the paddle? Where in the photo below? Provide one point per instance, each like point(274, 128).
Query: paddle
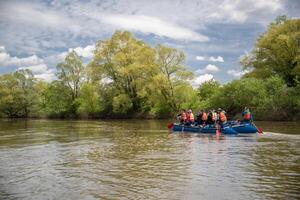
point(259, 130)
point(170, 126)
point(218, 132)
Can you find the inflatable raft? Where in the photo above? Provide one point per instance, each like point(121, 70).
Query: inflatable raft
point(230, 128)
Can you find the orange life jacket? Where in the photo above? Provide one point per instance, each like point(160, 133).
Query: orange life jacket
point(190, 117)
point(247, 116)
point(204, 116)
point(223, 117)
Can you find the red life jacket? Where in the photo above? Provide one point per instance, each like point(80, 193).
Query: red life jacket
point(247, 116)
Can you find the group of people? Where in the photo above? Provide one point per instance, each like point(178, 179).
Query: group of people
point(211, 117)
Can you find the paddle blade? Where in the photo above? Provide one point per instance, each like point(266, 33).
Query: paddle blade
point(170, 126)
point(259, 130)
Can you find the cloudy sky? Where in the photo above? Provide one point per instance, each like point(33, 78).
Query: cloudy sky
point(213, 34)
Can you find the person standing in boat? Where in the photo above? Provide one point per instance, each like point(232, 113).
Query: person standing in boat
point(189, 118)
point(247, 116)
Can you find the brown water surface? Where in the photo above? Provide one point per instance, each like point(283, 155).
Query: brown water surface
point(129, 159)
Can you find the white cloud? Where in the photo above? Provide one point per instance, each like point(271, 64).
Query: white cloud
point(37, 65)
point(236, 73)
point(217, 59)
point(36, 69)
point(212, 68)
point(239, 11)
point(201, 79)
point(85, 52)
point(208, 69)
point(201, 58)
point(154, 25)
point(7, 60)
point(211, 58)
point(36, 15)
point(48, 75)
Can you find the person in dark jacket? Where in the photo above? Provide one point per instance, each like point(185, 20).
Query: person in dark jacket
point(210, 120)
point(198, 120)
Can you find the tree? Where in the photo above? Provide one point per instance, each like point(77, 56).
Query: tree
point(71, 73)
point(17, 93)
point(171, 75)
point(234, 96)
point(58, 100)
point(89, 100)
point(277, 52)
point(126, 61)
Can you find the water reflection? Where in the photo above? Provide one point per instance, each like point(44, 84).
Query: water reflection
point(277, 164)
point(130, 159)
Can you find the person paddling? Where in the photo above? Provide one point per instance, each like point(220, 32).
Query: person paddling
point(247, 116)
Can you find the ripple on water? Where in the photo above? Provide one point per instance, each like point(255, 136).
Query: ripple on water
point(111, 160)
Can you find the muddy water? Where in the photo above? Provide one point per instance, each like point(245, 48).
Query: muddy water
point(46, 159)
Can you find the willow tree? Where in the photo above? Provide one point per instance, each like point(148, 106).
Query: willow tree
point(277, 52)
point(127, 62)
point(71, 73)
point(172, 76)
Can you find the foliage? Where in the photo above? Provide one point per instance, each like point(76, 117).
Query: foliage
point(17, 94)
point(57, 100)
point(127, 62)
point(71, 73)
point(89, 100)
point(277, 52)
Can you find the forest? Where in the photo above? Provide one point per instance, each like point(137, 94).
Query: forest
point(127, 78)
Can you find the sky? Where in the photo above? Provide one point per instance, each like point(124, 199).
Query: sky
point(214, 34)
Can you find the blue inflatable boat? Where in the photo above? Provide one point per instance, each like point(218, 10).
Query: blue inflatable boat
point(229, 128)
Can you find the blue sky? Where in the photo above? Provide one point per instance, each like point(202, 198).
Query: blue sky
point(213, 34)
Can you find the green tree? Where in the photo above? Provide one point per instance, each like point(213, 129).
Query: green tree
point(126, 61)
point(277, 52)
point(71, 73)
point(234, 96)
point(58, 100)
point(17, 93)
point(89, 100)
point(205, 91)
point(172, 76)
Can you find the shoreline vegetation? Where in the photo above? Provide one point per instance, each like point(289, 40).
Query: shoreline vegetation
point(127, 78)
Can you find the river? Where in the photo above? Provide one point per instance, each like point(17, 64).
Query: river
point(132, 159)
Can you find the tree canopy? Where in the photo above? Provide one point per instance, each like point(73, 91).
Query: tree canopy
point(277, 52)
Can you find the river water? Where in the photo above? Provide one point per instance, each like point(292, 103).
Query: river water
point(130, 159)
